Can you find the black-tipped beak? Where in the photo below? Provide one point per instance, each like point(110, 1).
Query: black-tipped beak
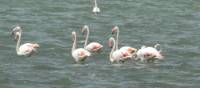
point(112, 33)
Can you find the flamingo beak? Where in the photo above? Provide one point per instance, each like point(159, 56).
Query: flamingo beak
point(113, 31)
point(12, 33)
point(16, 38)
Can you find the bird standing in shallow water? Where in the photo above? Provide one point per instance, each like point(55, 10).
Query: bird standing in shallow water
point(117, 55)
point(93, 46)
point(149, 53)
point(130, 50)
point(26, 49)
point(96, 9)
point(79, 54)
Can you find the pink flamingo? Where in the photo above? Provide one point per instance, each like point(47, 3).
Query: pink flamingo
point(96, 9)
point(93, 46)
point(149, 53)
point(79, 54)
point(26, 49)
point(117, 55)
point(129, 49)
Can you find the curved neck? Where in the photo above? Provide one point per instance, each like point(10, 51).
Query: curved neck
point(74, 43)
point(87, 35)
point(113, 48)
point(117, 39)
point(18, 42)
point(95, 3)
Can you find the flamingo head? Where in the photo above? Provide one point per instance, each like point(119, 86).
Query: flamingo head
point(16, 32)
point(115, 29)
point(84, 29)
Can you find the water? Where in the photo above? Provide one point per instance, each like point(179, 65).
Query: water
point(172, 23)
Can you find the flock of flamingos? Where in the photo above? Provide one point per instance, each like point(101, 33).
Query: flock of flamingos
point(144, 54)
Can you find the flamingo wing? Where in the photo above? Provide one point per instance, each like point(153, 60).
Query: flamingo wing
point(93, 46)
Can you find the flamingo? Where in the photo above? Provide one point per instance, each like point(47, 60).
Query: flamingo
point(117, 55)
point(149, 53)
point(129, 49)
point(79, 54)
point(26, 49)
point(96, 9)
point(93, 46)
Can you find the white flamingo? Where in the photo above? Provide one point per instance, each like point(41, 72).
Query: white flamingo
point(96, 9)
point(26, 49)
point(149, 53)
point(117, 55)
point(129, 49)
point(79, 54)
point(93, 46)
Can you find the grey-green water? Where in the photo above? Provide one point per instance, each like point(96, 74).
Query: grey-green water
point(172, 23)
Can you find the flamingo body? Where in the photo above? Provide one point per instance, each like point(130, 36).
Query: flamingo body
point(149, 53)
point(119, 55)
point(93, 47)
point(96, 9)
point(129, 49)
point(27, 48)
point(80, 54)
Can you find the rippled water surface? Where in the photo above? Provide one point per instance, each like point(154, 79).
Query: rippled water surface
point(175, 24)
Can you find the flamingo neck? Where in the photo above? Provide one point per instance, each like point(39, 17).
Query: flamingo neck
point(113, 48)
point(95, 3)
point(74, 44)
point(117, 39)
point(18, 43)
point(87, 35)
